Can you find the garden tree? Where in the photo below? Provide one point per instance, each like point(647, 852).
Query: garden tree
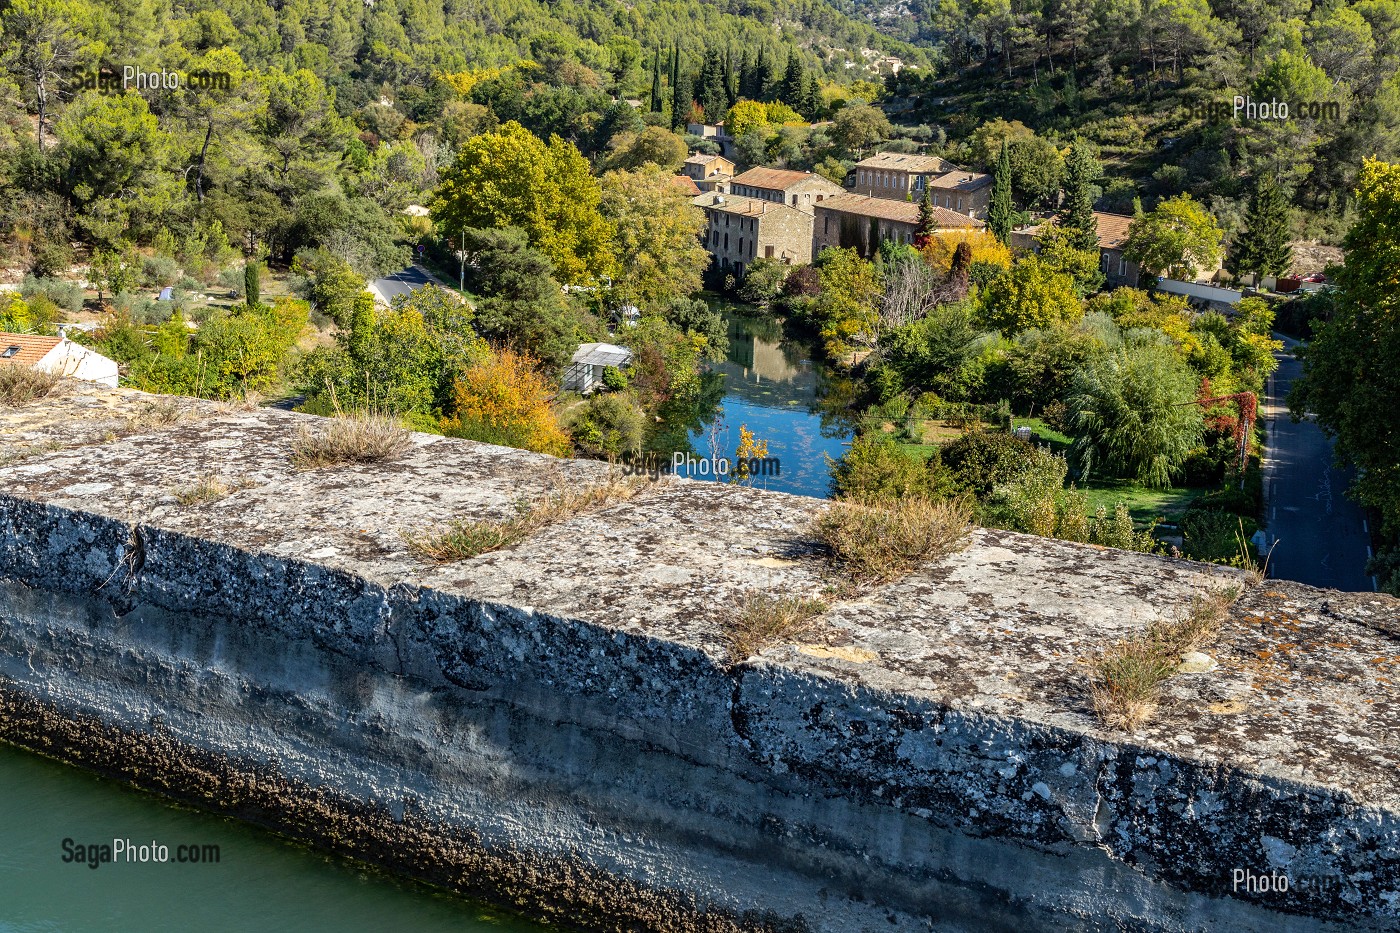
point(1031, 294)
point(504, 399)
point(846, 308)
point(856, 128)
point(331, 285)
point(1036, 171)
point(118, 164)
point(657, 236)
point(665, 361)
point(935, 354)
point(355, 229)
point(1042, 363)
point(1265, 247)
point(608, 425)
point(764, 282)
point(983, 250)
point(1177, 239)
point(1351, 368)
point(991, 137)
point(1001, 212)
point(43, 39)
point(696, 318)
point(521, 305)
point(512, 179)
point(115, 271)
point(911, 289)
point(1082, 171)
point(875, 469)
point(1133, 413)
point(751, 115)
point(1060, 251)
point(654, 145)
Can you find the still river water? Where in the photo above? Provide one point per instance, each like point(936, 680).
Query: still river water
point(261, 882)
point(776, 387)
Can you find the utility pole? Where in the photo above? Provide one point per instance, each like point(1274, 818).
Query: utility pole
point(462, 267)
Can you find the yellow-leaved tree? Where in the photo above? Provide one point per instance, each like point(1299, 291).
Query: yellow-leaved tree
point(504, 400)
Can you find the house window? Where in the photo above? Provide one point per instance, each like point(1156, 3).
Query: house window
point(959, 204)
point(726, 241)
point(767, 252)
point(741, 246)
point(826, 224)
point(9, 352)
point(1122, 266)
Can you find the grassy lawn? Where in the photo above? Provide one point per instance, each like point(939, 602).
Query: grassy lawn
point(1144, 503)
point(1044, 434)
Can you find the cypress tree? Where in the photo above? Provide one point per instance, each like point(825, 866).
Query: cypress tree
point(924, 232)
point(1264, 247)
point(743, 77)
point(1000, 212)
point(680, 92)
point(1077, 219)
point(656, 82)
point(731, 81)
point(811, 98)
point(252, 292)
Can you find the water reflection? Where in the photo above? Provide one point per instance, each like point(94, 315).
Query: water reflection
point(773, 385)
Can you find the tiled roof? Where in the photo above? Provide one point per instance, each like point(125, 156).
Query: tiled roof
point(702, 158)
point(686, 184)
point(960, 181)
point(906, 212)
point(738, 204)
point(32, 348)
point(774, 179)
point(904, 162)
point(1113, 229)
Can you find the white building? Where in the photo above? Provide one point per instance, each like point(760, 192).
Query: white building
point(585, 373)
point(57, 355)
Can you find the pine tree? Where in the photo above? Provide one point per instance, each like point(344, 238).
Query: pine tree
point(927, 225)
point(710, 92)
point(680, 92)
point(656, 82)
point(999, 214)
point(811, 98)
point(1264, 248)
point(1077, 218)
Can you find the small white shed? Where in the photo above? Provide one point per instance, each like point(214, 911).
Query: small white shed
point(585, 373)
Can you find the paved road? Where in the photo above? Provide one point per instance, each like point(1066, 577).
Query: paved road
point(1321, 533)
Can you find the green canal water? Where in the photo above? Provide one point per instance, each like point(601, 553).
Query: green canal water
point(260, 883)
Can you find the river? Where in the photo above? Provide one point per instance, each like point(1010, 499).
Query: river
point(260, 882)
point(775, 385)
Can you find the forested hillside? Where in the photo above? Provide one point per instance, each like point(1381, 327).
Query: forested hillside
point(335, 113)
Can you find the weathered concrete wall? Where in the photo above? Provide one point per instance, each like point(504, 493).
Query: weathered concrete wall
point(554, 726)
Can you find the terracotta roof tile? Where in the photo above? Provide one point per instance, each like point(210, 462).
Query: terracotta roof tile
point(32, 348)
point(775, 179)
point(899, 211)
point(960, 181)
point(905, 162)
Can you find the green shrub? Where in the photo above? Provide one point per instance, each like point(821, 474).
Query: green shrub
point(66, 295)
point(876, 469)
point(981, 460)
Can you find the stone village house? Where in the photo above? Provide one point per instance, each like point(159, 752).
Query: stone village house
point(902, 177)
point(1113, 235)
point(862, 223)
point(799, 190)
point(740, 229)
